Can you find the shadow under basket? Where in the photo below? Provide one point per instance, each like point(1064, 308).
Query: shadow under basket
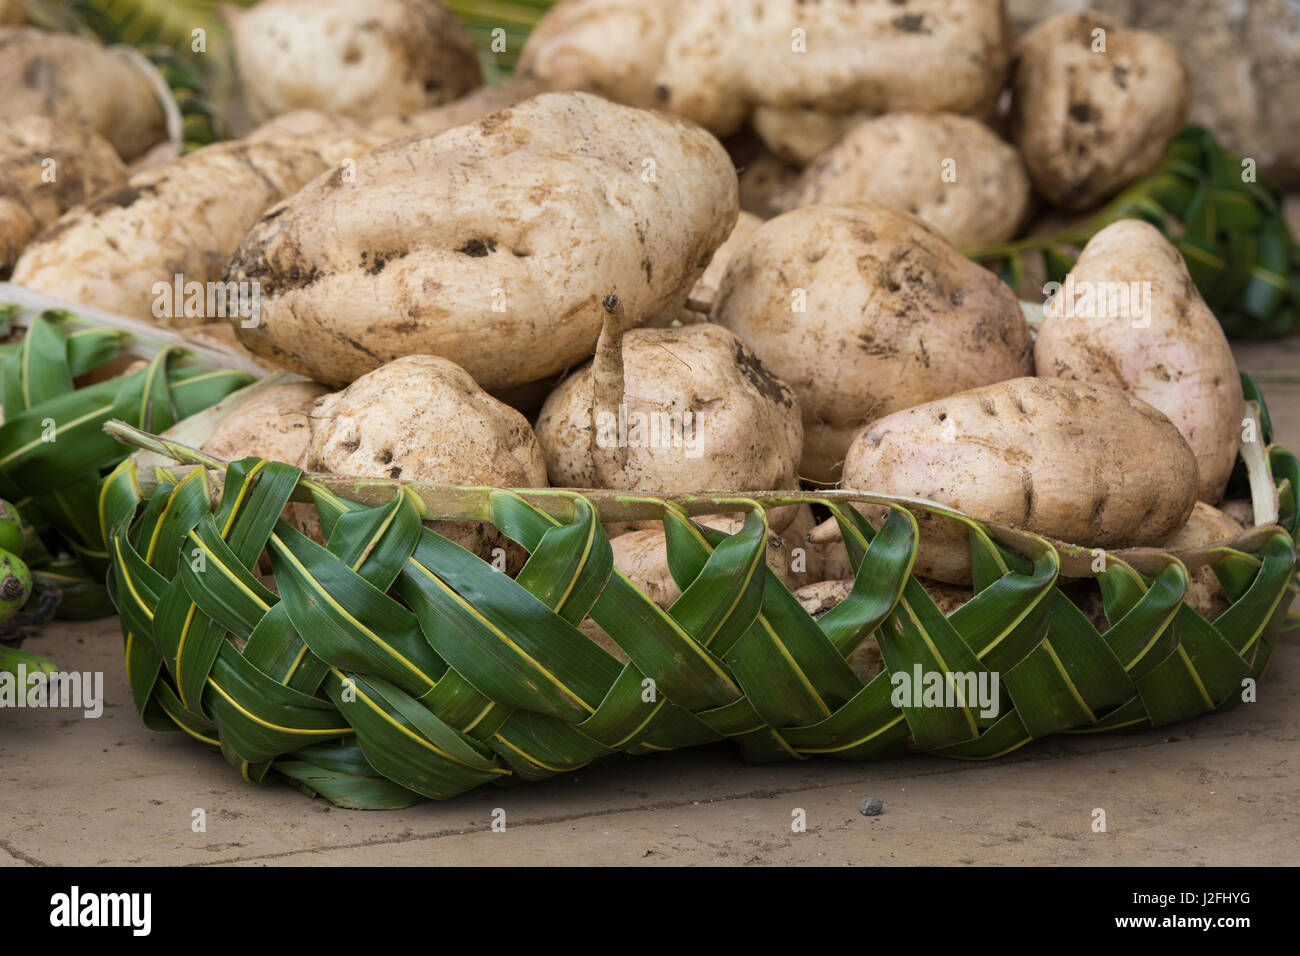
point(394, 665)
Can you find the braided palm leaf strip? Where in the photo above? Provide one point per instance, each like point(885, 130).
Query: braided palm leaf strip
point(393, 665)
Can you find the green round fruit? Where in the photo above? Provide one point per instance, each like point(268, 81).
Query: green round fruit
point(15, 585)
point(11, 528)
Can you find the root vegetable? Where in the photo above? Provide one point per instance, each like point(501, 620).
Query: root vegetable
point(833, 558)
point(274, 425)
point(1240, 510)
point(838, 56)
point(863, 310)
point(490, 244)
point(952, 171)
point(609, 47)
point(715, 61)
point(832, 554)
point(1095, 106)
point(66, 78)
point(184, 217)
point(46, 167)
point(360, 59)
point(306, 124)
point(643, 555)
point(799, 135)
point(1130, 316)
point(674, 410)
point(422, 417)
point(1078, 462)
point(1206, 526)
point(822, 596)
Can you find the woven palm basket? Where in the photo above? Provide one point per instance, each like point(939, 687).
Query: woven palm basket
point(393, 665)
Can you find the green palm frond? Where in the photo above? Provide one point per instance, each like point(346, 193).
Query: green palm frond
point(53, 450)
point(391, 665)
point(200, 124)
point(138, 23)
point(1230, 229)
point(505, 22)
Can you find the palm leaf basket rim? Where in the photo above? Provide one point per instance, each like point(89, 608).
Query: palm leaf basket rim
point(339, 688)
point(632, 506)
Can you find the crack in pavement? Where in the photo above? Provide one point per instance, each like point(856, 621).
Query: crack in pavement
point(18, 854)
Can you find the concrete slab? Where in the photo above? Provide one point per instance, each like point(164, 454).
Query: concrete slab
point(1217, 790)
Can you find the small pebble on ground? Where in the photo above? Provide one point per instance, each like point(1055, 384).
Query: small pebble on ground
point(871, 807)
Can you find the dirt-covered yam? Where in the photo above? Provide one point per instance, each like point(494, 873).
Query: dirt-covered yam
point(491, 244)
point(726, 57)
point(64, 77)
point(952, 171)
point(717, 61)
point(1130, 316)
point(337, 137)
point(821, 597)
point(275, 425)
point(863, 310)
point(609, 47)
point(122, 251)
point(1095, 105)
point(1207, 526)
point(360, 59)
point(221, 334)
point(422, 417)
point(799, 135)
point(1082, 463)
point(472, 106)
point(47, 166)
point(698, 412)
